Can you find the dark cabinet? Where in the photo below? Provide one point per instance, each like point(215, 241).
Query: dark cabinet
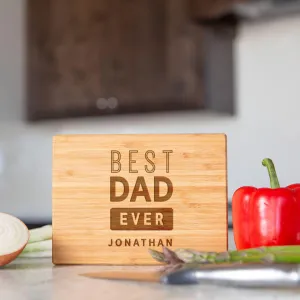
point(214, 9)
point(98, 57)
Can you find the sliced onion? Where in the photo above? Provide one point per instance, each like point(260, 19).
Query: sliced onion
point(14, 236)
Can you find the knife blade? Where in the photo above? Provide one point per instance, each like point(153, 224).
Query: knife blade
point(242, 275)
point(126, 276)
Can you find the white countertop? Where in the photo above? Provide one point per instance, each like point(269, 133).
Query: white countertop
point(38, 279)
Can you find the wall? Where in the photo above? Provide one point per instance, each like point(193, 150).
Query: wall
point(267, 122)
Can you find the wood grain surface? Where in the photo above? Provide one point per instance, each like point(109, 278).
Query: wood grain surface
point(116, 196)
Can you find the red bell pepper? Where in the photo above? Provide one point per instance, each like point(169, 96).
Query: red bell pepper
point(266, 216)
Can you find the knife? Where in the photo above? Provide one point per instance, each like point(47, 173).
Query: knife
point(236, 275)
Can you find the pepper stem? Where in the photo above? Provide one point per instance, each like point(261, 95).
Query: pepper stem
point(268, 163)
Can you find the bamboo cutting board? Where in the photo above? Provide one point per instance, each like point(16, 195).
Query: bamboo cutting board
point(116, 196)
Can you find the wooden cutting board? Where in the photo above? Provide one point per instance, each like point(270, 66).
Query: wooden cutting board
point(116, 196)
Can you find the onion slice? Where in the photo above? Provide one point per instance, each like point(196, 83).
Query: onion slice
point(14, 236)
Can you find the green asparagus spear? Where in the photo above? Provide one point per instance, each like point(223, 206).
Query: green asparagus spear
point(276, 254)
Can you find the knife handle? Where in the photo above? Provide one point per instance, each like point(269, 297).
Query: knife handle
point(277, 275)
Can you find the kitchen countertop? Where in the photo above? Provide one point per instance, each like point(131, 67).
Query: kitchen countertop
point(38, 279)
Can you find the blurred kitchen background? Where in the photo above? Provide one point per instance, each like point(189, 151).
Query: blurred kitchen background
point(146, 66)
